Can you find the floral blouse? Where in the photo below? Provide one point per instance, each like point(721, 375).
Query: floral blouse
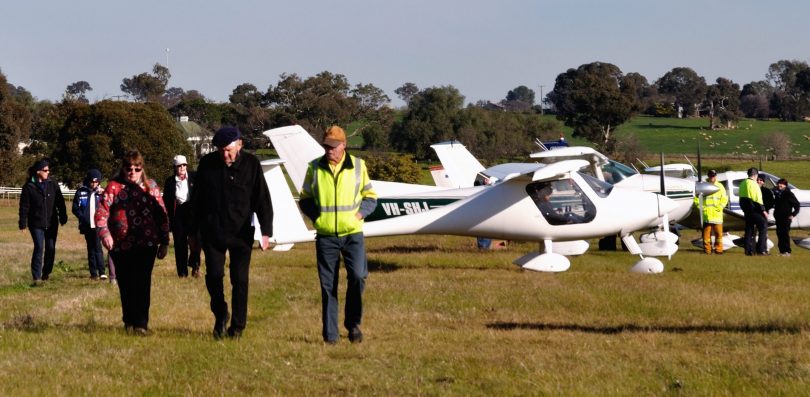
point(134, 216)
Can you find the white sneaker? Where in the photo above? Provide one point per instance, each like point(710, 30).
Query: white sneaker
point(113, 281)
point(103, 276)
point(785, 254)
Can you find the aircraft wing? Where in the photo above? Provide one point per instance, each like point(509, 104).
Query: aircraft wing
point(558, 169)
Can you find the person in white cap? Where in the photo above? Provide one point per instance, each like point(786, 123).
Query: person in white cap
point(176, 196)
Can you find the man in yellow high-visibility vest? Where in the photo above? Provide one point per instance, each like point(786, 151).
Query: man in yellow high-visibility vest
point(337, 195)
point(756, 216)
point(713, 205)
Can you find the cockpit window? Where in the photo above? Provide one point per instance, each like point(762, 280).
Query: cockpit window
point(561, 202)
point(602, 189)
point(771, 180)
point(614, 171)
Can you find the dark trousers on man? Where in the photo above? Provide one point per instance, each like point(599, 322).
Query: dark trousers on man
point(134, 271)
point(783, 234)
point(185, 256)
point(44, 244)
point(95, 256)
point(240, 250)
point(329, 250)
point(756, 223)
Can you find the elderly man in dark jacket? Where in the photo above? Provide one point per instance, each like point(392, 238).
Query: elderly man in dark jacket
point(229, 189)
point(42, 210)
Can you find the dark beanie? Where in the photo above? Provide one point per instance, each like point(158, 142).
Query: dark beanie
point(39, 165)
point(93, 174)
point(225, 136)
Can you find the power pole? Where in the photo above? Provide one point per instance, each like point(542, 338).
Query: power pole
point(167, 57)
point(541, 99)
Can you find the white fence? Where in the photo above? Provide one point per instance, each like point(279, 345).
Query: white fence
point(14, 193)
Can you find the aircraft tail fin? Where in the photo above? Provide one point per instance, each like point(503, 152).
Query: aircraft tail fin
point(460, 166)
point(288, 224)
point(296, 148)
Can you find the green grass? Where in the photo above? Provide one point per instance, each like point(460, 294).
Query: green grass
point(681, 136)
point(441, 319)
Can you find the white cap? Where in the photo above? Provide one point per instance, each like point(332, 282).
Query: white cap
point(179, 159)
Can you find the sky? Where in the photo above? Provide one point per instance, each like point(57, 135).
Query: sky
point(484, 48)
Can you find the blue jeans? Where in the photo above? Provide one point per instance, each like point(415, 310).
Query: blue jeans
point(44, 242)
point(95, 257)
point(329, 250)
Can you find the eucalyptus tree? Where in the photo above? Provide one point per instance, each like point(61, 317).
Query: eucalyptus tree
point(686, 87)
point(594, 99)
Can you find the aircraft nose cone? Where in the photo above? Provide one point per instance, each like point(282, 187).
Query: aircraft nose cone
point(705, 188)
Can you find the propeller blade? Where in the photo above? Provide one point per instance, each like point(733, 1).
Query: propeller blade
point(663, 187)
point(700, 166)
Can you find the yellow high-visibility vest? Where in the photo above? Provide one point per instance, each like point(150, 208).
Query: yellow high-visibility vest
point(713, 205)
point(338, 194)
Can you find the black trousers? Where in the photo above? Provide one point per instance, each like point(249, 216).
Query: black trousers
point(184, 256)
point(783, 233)
point(133, 269)
point(756, 223)
point(240, 250)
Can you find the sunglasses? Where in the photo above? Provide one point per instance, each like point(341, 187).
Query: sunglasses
point(134, 169)
point(181, 165)
point(45, 171)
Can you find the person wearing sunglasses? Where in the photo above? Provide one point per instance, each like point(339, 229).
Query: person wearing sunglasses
point(133, 225)
point(85, 203)
point(42, 210)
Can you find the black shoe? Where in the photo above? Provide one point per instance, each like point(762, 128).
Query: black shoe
point(234, 333)
point(195, 273)
point(330, 342)
point(219, 326)
point(141, 331)
point(355, 335)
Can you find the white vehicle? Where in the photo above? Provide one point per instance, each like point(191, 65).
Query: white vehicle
point(734, 219)
point(675, 170)
point(581, 207)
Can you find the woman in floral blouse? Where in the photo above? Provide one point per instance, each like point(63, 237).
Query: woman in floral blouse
point(133, 225)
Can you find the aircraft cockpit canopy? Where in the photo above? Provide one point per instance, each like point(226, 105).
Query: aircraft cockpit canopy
point(561, 202)
point(615, 171)
point(602, 189)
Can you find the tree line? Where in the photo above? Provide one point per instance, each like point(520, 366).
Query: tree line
point(593, 99)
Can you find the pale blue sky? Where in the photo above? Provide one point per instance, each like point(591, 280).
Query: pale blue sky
point(482, 47)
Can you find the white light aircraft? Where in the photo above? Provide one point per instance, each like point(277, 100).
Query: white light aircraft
point(734, 218)
point(552, 204)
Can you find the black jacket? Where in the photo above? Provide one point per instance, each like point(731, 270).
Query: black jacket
point(785, 204)
point(41, 205)
point(767, 198)
point(224, 198)
point(170, 197)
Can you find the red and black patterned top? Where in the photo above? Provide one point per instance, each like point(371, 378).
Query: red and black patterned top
point(134, 216)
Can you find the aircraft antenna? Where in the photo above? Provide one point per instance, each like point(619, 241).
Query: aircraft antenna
point(540, 143)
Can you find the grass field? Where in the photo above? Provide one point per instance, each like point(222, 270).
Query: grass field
point(441, 319)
